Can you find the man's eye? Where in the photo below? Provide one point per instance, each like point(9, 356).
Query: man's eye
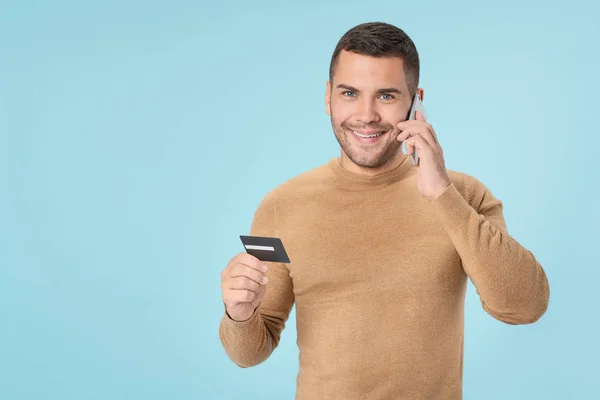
point(389, 97)
point(348, 93)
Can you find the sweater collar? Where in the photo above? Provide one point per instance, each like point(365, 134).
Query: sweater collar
point(356, 180)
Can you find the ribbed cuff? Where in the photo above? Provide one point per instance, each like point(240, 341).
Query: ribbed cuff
point(248, 325)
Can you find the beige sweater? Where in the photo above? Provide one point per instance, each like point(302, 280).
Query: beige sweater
point(378, 275)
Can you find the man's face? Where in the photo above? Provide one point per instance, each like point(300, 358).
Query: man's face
point(366, 99)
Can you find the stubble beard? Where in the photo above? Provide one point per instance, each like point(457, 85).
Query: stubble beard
point(367, 156)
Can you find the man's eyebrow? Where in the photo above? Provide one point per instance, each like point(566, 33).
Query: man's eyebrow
point(347, 87)
point(389, 90)
point(382, 90)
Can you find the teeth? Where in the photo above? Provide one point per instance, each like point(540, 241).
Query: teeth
point(367, 136)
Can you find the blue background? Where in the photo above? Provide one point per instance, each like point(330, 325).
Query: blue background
point(137, 138)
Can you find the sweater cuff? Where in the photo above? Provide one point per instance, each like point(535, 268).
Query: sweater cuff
point(248, 325)
point(451, 207)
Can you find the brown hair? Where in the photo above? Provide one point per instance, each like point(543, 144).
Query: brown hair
point(379, 39)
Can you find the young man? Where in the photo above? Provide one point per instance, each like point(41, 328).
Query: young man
point(380, 249)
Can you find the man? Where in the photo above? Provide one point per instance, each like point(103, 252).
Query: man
point(380, 249)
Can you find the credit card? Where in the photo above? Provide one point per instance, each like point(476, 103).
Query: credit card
point(265, 248)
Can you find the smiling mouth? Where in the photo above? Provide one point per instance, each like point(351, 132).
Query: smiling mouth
point(370, 136)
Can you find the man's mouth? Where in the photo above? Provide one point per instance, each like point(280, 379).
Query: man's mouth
point(368, 135)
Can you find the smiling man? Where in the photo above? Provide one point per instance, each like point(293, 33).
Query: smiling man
point(381, 250)
point(364, 114)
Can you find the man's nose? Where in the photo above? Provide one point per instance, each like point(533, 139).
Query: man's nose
point(367, 112)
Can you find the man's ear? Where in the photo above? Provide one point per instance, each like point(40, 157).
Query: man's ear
point(328, 98)
point(421, 93)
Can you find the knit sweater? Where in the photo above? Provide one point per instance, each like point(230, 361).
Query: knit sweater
point(378, 276)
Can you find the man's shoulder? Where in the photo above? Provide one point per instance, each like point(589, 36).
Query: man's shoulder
point(472, 178)
point(469, 186)
point(301, 185)
point(313, 179)
point(460, 179)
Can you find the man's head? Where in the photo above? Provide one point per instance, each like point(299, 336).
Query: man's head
point(373, 76)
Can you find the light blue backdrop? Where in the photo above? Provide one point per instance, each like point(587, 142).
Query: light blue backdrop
point(137, 138)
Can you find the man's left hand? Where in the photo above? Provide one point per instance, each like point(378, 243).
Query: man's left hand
point(432, 178)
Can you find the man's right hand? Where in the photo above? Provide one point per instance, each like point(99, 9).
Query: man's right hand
point(243, 284)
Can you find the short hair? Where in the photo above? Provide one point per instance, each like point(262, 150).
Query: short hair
point(380, 39)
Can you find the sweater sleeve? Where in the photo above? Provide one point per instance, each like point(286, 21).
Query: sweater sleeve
point(510, 282)
point(249, 343)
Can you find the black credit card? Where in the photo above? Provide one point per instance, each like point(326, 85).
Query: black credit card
point(265, 248)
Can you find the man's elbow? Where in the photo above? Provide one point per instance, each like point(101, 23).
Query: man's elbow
point(245, 359)
point(247, 363)
point(523, 315)
point(530, 316)
point(537, 306)
point(247, 354)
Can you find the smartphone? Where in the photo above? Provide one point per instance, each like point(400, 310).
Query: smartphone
point(417, 105)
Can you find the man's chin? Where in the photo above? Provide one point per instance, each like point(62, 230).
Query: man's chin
point(371, 159)
point(368, 161)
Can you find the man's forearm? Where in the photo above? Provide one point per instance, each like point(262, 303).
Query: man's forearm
point(512, 285)
point(247, 343)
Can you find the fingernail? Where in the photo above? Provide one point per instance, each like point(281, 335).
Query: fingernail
point(265, 279)
point(264, 267)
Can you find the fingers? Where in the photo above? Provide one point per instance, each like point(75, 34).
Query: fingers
point(422, 145)
point(242, 279)
point(243, 283)
point(417, 128)
point(245, 296)
point(259, 295)
point(250, 261)
point(245, 271)
point(233, 297)
point(246, 265)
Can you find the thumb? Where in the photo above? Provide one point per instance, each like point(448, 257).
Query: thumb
point(419, 116)
point(260, 295)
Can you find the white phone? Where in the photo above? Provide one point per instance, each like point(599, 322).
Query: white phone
point(417, 105)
